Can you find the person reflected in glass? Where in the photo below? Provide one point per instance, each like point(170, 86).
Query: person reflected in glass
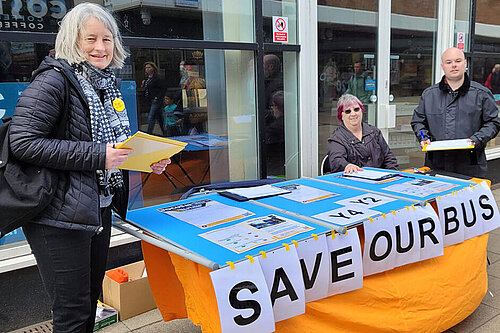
point(495, 80)
point(275, 136)
point(154, 90)
point(355, 144)
point(273, 82)
point(172, 116)
point(70, 237)
point(356, 84)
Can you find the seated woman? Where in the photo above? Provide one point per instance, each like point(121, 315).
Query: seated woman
point(355, 144)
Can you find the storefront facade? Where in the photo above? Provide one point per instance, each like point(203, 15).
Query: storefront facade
point(255, 107)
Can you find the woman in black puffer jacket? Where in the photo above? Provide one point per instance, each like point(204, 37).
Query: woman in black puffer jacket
point(70, 238)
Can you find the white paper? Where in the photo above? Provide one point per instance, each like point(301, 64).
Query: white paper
point(255, 232)
point(420, 187)
point(314, 261)
point(305, 194)
point(407, 237)
point(489, 216)
point(346, 215)
point(205, 213)
point(372, 174)
point(367, 200)
point(433, 245)
point(379, 253)
point(346, 268)
point(283, 275)
point(449, 210)
point(245, 282)
point(257, 191)
point(449, 145)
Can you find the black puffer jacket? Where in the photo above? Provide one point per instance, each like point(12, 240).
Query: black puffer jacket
point(76, 201)
point(371, 151)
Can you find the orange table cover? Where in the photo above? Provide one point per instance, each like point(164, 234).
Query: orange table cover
point(427, 296)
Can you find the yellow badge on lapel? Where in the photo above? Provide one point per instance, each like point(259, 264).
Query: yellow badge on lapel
point(118, 104)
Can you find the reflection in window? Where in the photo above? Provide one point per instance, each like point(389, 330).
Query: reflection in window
point(220, 20)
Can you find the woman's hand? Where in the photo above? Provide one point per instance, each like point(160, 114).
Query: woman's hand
point(351, 168)
point(160, 166)
point(115, 157)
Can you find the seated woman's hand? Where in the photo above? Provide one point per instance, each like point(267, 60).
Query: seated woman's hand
point(115, 157)
point(160, 166)
point(351, 168)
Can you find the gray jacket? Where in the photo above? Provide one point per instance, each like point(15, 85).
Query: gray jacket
point(371, 151)
point(469, 112)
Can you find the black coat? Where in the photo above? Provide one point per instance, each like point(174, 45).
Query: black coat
point(469, 112)
point(372, 151)
point(155, 89)
point(76, 201)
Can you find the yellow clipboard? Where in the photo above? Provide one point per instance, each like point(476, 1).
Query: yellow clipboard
point(148, 149)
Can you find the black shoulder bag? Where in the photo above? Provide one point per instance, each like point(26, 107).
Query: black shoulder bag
point(25, 189)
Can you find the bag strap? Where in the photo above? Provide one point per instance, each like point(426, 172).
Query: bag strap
point(61, 126)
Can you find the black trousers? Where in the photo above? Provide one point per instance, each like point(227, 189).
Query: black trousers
point(72, 264)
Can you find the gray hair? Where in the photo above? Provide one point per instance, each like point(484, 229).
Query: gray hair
point(67, 38)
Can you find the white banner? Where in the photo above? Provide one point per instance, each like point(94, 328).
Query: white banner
point(243, 298)
point(407, 237)
point(430, 233)
point(488, 207)
point(379, 252)
point(346, 267)
point(283, 275)
point(314, 261)
point(451, 220)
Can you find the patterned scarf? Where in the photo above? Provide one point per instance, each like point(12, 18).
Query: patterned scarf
point(107, 123)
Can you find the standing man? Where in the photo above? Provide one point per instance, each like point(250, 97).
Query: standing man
point(456, 108)
point(356, 84)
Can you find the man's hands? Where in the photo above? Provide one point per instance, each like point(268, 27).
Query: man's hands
point(425, 142)
point(115, 157)
point(351, 168)
point(160, 166)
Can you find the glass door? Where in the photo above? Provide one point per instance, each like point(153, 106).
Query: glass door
point(413, 31)
point(347, 59)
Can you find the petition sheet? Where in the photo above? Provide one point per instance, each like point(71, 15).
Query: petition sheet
point(252, 233)
point(420, 187)
point(305, 194)
point(205, 213)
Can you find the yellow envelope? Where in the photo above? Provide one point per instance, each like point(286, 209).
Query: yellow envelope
point(148, 149)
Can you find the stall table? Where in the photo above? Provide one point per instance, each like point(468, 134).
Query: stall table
point(427, 296)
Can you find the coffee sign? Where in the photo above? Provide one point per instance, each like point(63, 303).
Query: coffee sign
point(32, 15)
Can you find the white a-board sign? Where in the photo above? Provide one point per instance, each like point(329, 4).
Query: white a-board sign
point(379, 253)
point(243, 298)
point(346, 268)
point(281, 269)
point(314, 263)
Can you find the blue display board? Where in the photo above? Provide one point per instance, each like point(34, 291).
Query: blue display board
point(187, 235)
point(342, 194)
point(408, 186)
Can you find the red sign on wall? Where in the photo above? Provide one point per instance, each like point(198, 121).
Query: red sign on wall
point(280, 29)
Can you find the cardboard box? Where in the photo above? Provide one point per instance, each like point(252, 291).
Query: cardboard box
point(105, 316)
point(129, 298)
